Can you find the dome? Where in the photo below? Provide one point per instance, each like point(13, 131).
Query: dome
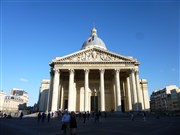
point(94, 41)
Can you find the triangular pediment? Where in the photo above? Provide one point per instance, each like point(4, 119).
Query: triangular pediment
point(94, 55)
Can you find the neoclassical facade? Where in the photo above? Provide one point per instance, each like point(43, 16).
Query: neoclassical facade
point(95, 78)
point(43, 95)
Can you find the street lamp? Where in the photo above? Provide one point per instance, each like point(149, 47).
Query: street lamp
point(94, 99)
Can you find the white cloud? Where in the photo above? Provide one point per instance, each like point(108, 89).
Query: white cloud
point(173, 70)
point(23, 80)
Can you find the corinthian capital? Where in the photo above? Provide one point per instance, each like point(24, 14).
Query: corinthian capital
point(136, 70)
point(86, 71)
point(102, 70)
point(117, 70)
point(71, 71)
point(56, 70)
point(132, 70)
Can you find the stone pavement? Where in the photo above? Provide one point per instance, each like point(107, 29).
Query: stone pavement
point(112, 125)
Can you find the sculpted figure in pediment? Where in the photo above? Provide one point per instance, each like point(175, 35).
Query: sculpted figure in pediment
point(93, 55)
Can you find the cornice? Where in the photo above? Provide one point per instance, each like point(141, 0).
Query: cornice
point(95, 62)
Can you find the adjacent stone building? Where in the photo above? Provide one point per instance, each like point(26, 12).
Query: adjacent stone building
point(43, 95)
point(175, 100)
point(166, 99)
point(12, 103)
point(20, 93)
point(95, 78)
point(2, 98)
point(145, 94)
point(17, 100)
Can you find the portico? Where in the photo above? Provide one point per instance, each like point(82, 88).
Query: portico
point(95, 79)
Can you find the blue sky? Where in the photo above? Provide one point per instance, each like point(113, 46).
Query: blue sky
point(35, 32)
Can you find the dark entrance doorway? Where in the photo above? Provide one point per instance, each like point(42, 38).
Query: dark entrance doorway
point(122, 106)
point(66, 104)
point(94, 103)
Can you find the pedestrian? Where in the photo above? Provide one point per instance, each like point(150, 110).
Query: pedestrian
point(43, 117)
point(105, 115)
point(73, 123)
point(96, 118)
point(144, 116)
point(100, 114)
point(49, 115)
point(84, 117)
point(4, 115)
point(88, 115)
point(65, 122)
point(39, 116)
point(132, 116)
point(52, 114)
point(21, 115)
point(93, 113)
point(80, 115)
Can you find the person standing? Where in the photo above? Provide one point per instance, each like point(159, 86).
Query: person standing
point(144, 116)
point(52, 114)
point(96, 117)
point(84, 117)
point(65, 122)
point(49, 115)
point(132, 116)
point(21, 115)
point(73, 123)
point(105, 115)
point(39, 116)
point(88, 115)
point(100, 114)
point(80, 114)
point(43, 117)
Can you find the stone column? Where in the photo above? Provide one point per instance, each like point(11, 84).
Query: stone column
point(114, 94)
point(139, 93)
point(55, 93)
point(86, 89)
point(71, 90)
point(74, 95)
point(129, 94)
point(118, 92)
point(49, 102)
point(135, 104)
point(62, 98)
point(82, 99)
point(102, 89)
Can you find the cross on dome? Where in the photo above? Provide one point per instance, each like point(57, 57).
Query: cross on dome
point(93, 32)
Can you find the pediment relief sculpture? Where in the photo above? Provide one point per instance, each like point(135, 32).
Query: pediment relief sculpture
point(93, 55)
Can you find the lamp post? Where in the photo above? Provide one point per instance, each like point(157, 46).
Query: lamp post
point(165, 103)
point(94, 99)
